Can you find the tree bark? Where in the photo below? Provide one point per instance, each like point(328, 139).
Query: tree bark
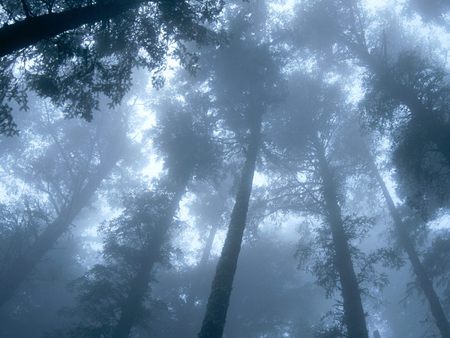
point(25, 264)
point(422, 277)
point(354, 316)
point(219, 298)
point(31, 30)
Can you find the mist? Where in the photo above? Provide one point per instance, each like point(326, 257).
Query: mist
point(224, 168)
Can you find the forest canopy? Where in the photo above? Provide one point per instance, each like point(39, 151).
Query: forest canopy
point(224, 168)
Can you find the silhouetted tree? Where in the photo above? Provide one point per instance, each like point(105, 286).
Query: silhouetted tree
point(78, 51)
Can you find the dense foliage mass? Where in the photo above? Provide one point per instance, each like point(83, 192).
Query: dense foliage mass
point(224, 168)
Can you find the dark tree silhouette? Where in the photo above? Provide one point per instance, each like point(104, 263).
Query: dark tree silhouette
point(81, 50)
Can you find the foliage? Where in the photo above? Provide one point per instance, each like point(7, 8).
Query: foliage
point(76, 68)
point(137, 234)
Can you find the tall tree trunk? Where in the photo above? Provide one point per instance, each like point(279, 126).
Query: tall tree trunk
point(219, 298)
point(422, 277)
point(12, 278)
point(31, 30)
point(354, 316)
point(438, 134)
point(139, 285)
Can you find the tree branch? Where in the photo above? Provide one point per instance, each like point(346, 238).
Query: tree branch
point(27, 32)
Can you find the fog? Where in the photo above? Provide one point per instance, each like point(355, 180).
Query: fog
point(224, 168)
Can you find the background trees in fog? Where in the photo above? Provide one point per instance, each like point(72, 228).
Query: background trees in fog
point(224, 168)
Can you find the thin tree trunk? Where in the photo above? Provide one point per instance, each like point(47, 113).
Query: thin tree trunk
point(31, 30)
point(187, 316)
point(441, 140)
point(422, 277)
point(439, 135)
point(208, 246)
point(22, 267)
point(354, 316)
point(140, 284)
point(219, 298)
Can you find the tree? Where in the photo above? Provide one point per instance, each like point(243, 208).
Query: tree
point(404, 221)
point(111, 296)
point(257, 150)
point(138, 239)
point(186, 157)
point(421, 142)
point(425, 282)
point(68, 173)
point(405, 92)
point(305, 138)
point(398, 80)
point(211, 209)
point(246, 83)
point(403, 233)
point(81, 50)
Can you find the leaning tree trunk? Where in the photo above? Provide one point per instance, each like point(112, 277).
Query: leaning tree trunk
point(139, 285)
point(405, 241)
point(354, 316)
point(33, 29)
point(219, 298)
point(21, 268)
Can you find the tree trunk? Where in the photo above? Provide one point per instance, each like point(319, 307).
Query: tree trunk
point(186, 317)
point(354, 316)
point(139, 285)
point(422, 277)
point(219, 298)
point(208, 246)
point(24, 265)
point(31, 30)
